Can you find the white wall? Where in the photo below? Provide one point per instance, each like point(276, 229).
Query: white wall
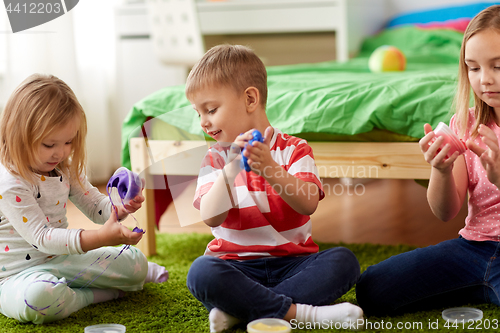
point(396, 7)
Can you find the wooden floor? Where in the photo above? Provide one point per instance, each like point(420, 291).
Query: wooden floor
point(374, 211)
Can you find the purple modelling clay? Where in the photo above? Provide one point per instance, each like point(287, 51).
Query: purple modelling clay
point(442, 130)
point(137, 229)
point(257, 136)
point(122, 187)
point(126, 182)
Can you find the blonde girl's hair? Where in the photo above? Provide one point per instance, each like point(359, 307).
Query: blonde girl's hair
point(227, 65)
point(40, 106)
point(489, 18)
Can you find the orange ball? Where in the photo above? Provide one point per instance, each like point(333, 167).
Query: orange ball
point(387, 58)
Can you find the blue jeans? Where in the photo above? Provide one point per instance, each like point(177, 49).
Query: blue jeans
point(265, 288)
point(452, 273)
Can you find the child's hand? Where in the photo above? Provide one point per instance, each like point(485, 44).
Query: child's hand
point(133, 205)
point(234, 155)
point(114, 233)
point(432, 155)
point(490, 157)
point(242, 139)
point(258, 153)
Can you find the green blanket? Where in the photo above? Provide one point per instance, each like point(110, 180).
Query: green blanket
point(337, 101)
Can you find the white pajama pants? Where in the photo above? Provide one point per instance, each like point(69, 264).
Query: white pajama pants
point(59, 287)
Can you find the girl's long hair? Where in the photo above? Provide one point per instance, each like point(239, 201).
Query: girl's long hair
point(40, 106)
point(489, 18)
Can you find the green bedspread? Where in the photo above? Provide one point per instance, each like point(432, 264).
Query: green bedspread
point(337, 101)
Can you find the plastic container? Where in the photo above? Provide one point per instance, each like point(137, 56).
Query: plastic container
point(463, 314)
point(269, 325)
point(105, 328)
point(127, 183)
point(442, 130)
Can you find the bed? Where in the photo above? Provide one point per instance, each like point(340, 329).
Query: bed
point(359, 124)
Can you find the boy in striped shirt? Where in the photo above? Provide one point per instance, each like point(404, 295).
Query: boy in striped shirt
point(263, 262)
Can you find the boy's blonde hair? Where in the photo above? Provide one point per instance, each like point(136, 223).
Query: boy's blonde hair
point(489, 18)
point(40, 106)
point(226, 65)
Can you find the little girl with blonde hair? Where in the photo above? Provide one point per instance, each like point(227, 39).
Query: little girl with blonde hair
point(47, 271)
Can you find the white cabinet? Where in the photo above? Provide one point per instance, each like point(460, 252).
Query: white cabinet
point(350, 19)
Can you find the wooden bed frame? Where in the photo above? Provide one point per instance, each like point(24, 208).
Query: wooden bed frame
point(384, 160)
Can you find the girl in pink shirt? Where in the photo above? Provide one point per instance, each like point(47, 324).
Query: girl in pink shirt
point(463, 270)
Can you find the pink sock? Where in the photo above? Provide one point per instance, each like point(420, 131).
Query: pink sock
point(156, 273)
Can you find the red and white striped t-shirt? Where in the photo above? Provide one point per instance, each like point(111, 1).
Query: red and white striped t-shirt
point(262, 224)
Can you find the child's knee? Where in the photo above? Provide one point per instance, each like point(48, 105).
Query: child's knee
point(40, 302)
point(346, 262)
point(133, 265)
point(203, 271)
point(350, 260)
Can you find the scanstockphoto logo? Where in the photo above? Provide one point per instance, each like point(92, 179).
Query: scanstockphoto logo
point(24, 15)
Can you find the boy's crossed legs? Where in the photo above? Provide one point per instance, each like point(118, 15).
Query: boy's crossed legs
point(236, 291)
